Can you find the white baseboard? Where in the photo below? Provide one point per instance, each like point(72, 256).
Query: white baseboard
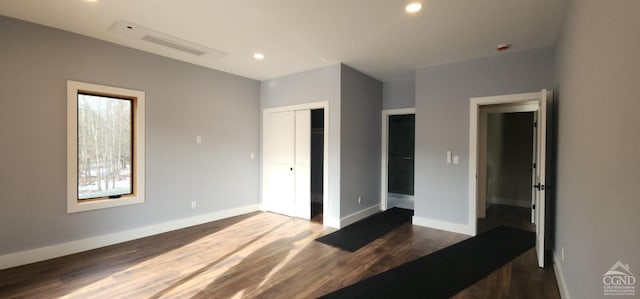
point(562, 286)
point(510, 202)
point(48, 252)
point(399, 196)
point(359, 215)
point(335, 223)
point(443, 225)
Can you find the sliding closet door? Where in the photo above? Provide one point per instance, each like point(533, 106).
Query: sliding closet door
point(287, 163)
point(278, 162)
point(302, 167)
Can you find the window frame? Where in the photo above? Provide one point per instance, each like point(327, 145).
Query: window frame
point(74, 204)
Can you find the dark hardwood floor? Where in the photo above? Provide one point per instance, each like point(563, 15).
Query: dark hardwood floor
point(258, 255)
point(520, 278)
point(498, 215)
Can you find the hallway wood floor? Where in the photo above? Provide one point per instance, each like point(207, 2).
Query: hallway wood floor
point(258, 255)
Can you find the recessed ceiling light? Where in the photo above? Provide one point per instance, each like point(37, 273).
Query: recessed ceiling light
point(258, 56)
point(91, 1)
point(414, 7)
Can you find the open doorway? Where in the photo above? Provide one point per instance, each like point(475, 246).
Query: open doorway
point(398, 153)
point(540, 103)
point(317, 164)
point(508, 177)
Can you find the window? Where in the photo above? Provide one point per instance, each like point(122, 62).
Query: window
point(105, 146)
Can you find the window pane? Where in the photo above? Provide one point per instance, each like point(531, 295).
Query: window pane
point(104, 146)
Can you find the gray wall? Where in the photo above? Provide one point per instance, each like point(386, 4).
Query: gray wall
point(509, 158)
point(361, 114)
point(182, 101)
point(316, 85)
point(399, 94)
point(321, 84)
point(442, 122)
point(598, 143)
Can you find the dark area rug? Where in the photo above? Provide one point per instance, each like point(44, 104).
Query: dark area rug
point(363, 232)
point(446, 272)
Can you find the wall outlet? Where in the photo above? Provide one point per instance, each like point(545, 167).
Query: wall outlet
point(359, 199)
point(194, 204)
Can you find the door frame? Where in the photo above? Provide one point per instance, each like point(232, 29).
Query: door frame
point(325, 165)
point(384, 165)
point(527, 106)
point(474, 118)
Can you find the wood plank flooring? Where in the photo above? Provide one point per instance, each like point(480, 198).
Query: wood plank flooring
point(520, 278)
point(258, 255)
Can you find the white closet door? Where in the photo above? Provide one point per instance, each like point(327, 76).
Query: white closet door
point(302, 167)
point(278, 162)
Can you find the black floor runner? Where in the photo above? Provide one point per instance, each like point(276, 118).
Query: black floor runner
point(363, 232)
point(446, 272)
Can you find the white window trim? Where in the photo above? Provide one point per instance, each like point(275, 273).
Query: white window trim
point(73, 205)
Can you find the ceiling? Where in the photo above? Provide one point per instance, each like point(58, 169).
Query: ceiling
point(376, 37)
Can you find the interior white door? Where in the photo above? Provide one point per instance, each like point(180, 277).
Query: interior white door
point(278, 155)
point(541, 163)
point(302, 168)
point(534, 171)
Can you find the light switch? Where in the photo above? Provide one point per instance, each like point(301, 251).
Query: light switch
point(448, 157)
point(456, 159)
point(252, 155)
point(198, 139)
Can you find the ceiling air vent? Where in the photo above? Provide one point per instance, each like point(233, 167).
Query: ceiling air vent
point(143, 36)
point(172, 45)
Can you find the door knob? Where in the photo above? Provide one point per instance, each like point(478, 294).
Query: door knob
point(539, 186)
